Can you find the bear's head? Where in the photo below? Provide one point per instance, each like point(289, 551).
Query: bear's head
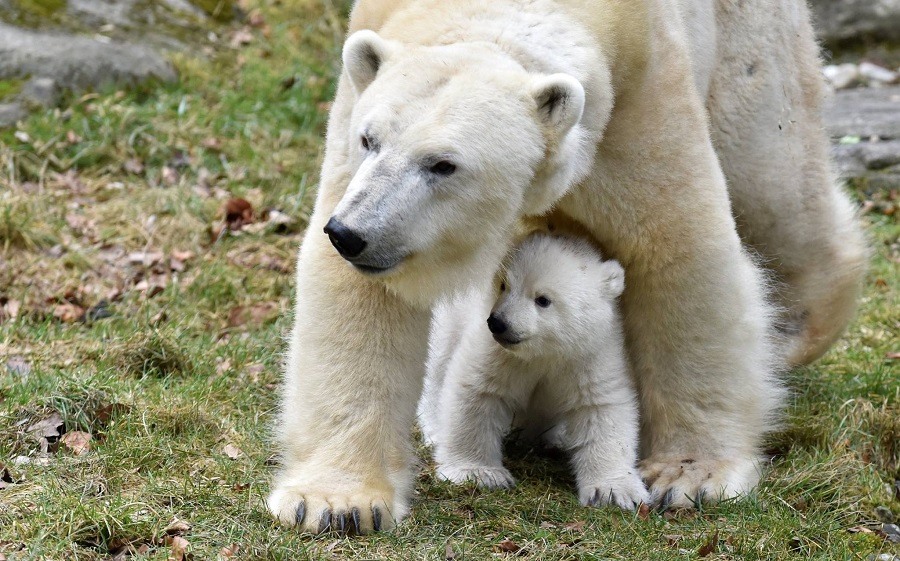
point(556, 297)
point(447, 147)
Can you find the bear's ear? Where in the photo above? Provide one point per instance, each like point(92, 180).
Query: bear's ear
point(560, 101)
point(613, 276)
point(364, 53)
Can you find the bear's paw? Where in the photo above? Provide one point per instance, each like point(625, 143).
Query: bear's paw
point(489, 477)
point(362, 512)
point(626, 492)
point(686, 481)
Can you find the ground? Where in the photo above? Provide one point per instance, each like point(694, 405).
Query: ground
point(146, 247)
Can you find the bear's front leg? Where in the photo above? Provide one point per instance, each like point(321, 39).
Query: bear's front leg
point(354, 373)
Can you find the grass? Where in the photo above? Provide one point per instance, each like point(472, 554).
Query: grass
point(115, 204)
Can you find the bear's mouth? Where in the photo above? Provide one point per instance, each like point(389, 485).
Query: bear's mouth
point(372, 269)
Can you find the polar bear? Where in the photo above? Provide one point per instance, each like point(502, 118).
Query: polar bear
point(453, 119)
point(551, 360)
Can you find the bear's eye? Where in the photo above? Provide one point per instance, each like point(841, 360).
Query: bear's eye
point(364, 140)
point(502, 287)
point(542, 301)
point(443, 168)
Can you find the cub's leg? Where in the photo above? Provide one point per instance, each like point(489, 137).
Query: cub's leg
point(601, 431)
point(353, 375)
point(765, 105)
point(476, 413)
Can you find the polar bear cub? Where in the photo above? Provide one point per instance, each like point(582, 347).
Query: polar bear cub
point(551, 361)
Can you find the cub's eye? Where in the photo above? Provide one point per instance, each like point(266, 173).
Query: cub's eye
point(542, 301)
point(443, 168)
point(502, 287)
point(364, 140)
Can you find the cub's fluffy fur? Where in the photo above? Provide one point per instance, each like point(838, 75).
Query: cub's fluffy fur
point(551, 360)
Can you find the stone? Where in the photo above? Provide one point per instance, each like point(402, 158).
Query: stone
point(884, 514)
point(79, 63)
point(40, 92)
point(864, 112)
point(842, 76)
point(841, 22)
point(11, 113)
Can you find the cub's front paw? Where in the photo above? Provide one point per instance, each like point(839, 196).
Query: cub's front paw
point(334, 508)
point(626, 492)
point(490, 477)
point(684, 481)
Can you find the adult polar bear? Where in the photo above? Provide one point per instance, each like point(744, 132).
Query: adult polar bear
point(454, 118)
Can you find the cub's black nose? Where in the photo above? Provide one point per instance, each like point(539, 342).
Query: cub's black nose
point(345, 240)
point(496, 325)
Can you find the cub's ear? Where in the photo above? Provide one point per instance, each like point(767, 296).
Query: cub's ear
point(364, 53)
point(613, 276)
point(560, 101)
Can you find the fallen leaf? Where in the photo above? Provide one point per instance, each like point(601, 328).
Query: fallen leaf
point(145, 258)
point(547, 525)
point(575, 526)
point(709, 546)
point(255, 314)
point(230, 551)
point(672, 540)
point(508, 546)
point(177, 527)
point(72, 138)
point(233, 451)
point(241, 37)
point(18, 366)
point(10, 310)
point(79, 442)
point(98, 311)
point(179, 547)
point(68, 312)
point(449, 554)
point(237, 213)
point(644, 512)
point(169, 175)
point(895, 355)
point(133, 166)
point(51, 427)
point(212, 143)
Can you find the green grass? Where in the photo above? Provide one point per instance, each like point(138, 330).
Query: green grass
point(167, 382)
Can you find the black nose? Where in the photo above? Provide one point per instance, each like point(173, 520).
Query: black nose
point(345, 240)
point(496, 325)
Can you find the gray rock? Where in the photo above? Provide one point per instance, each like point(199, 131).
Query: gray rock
point(842, 76)
point(884, 514)
point(865, 112)
point(76, 62)
point(40, 92)
point(10, 114)
point(852, 21)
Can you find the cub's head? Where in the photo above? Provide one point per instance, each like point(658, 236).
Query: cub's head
point(556, 296)
point(447, 147)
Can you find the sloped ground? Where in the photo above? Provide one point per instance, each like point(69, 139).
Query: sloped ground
point(146, 247)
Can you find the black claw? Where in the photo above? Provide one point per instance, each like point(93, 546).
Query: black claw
point(300, 513)
point(613, 500)
point(376, 518)
point(342, 522)
point(325, 521)
point(666, 501)
point(357, 523)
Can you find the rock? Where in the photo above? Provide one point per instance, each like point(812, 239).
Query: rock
point(40, 92)
point(841, 22)
point(883, 557)
point(884, 514)
point(842, 76)
point(877, 75)
point(865, 112)
point(78, 63)
point(10, 114)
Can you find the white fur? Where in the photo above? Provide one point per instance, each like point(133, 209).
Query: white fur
point(567, 377)
point(642, 170)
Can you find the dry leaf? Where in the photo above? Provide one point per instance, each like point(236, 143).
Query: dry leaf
point(575, 526)
point(79, 442)
point(179, 549)
point(212, 143)
point(644, 512)
point(230, 551)
point(256, 314)
point(709, 546)
point(672, 540)
point(233, 451)
point(237, 213)
point(134, 165)
point(18, 365)
point(177, 527)
point(51, 427)
point(68, 313)
point(508, 546)
point(241, 37)
point(893, 355)
point(145, 258)
point(449, 554)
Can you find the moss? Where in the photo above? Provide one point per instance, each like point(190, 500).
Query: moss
point(222, 10)
point(10, 87)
